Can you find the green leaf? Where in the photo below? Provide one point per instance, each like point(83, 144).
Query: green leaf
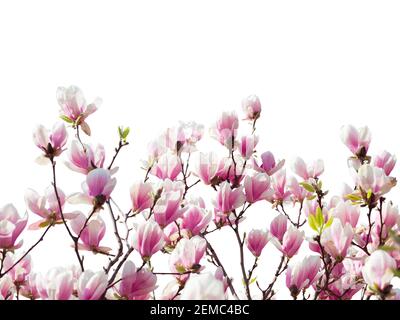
point(396, 273)
point(66, 119)
point(307, 186)
point(126, 132)
point(328, 223)
point(253, 280)
point(353, 197)
point(311, 222)
point(319, 217)
point(369, 194)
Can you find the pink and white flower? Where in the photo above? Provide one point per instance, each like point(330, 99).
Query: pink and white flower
point(228, 199)
point(135, 284)
point(256, 240)
point(92, 285)
point(147, 239)
point(11, 226)
point(251, 107)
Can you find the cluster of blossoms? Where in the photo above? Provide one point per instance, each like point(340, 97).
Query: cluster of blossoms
point(351, 240)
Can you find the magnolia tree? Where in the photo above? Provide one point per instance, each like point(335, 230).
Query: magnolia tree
point(352, 239)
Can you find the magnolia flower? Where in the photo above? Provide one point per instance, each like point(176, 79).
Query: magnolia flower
point(390, 216)
point(190, 133)
point(21, 270)
point(141, 196)
point(278, 227)
point(302, 275)
point(187, 255)
point(256, 240)
point(356, 140)
point(74, 109)
point(206, 166)
point(11, 226)
point(29, 289)
point(91, 234)
point(374, 180)
point(378, 270)
point(51, 143)
point(257, 187)
point(278, 183)
point(91, 285)
point(203, 287)
point(147, 239)
point(385, 161)
point(291, 241)
point(247, 145)
point(168, 166)
point(47, 207)
point(268, 165)
point(251, 107)
point(7, 288)
point(336, 239)
point(297, 191)
point(168, 208)
point(135, 284)
point(97, 188)
point(58, 284)
point(225, 129)
point(305, 171)
point(84, 160)
point(228, 199)
point(195, 220)
point(347, 212)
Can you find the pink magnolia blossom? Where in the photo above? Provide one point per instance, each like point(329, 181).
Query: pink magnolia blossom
point(29, 289)
point(190, 133)
point(370, 178)
point(90, 235)
point(195, 220)
point(256, 240)
point(347, 212)
point(247, 145)
point(147, 239)
point(303, 274)
point(390, 216)
point(168, 166)
point(257, 187)
point(11, 226)
point(50, 142)
point(228, 199)
point(278, 227)
point(92, 285)
point(206, 167)
point(7, 288)
point(47, 207)
point(385, 161)
point(297, 191)
point(57, 284)
point(135, 284)
point(74, 108)
point(85, 160)
point(378, 270)
point(97, 188)
point(187, 255)
point(225, 129)
point(141, 196)
point(356, 140)
point(310, 171)
point(203, 287)
point(21, 270)
point(268, 165)
point(226, 170)
point(278, 182)
point(336, 239)
point(168, 208)
point(251, 107)
point(291, 242)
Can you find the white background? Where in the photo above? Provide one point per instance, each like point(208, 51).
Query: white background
point(315, 65)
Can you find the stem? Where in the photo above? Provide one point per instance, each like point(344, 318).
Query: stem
point(74, 239)
point(79, 138)
point(27, 252)
point(219, 264)
point(117, 150)
point(269, 293)
point(117, 236)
